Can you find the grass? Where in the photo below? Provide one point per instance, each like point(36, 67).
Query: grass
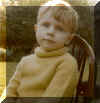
point(2, 76)
point(10, 69)
point(6, 71)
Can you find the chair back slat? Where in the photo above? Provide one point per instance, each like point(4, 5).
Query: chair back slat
point(81, 67)
point(82, 51)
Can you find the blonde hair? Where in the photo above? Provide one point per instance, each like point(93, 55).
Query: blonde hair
point(61, 11)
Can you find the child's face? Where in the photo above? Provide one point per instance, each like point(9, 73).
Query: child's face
point(51, 34)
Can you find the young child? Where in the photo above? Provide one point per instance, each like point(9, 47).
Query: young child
point(51, 71)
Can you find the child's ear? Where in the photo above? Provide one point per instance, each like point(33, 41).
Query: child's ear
point(71, 36)
point(35, 27)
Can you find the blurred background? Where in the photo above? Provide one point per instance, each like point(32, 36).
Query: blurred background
point(17, 36)
point(17, 19)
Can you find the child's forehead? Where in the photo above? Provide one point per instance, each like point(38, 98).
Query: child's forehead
point(53, 21)
point(50, 16)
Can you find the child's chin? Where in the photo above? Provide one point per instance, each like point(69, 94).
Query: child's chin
point(48, 48)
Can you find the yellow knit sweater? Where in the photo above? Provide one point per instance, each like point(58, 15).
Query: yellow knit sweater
point(45, 74)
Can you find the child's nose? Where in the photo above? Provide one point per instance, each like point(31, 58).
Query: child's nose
point(51, 31)
point(50, 34)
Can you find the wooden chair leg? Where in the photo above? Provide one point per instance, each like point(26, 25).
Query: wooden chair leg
point(81, 100)
point(75, 99)
point(87, 100)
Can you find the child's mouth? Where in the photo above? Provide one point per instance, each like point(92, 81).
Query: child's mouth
point(48, 40)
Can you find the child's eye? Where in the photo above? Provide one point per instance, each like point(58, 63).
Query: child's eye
point(59, 28)
point(46, 24)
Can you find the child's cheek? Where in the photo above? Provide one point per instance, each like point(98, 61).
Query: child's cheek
point(42, 31)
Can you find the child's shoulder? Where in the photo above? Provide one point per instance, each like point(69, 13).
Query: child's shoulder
point(70, 59)
point(27, 58)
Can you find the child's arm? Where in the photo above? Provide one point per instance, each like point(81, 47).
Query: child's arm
point(65, 80)
point(15, 81)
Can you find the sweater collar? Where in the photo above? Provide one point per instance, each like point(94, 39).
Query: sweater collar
point(42, 53)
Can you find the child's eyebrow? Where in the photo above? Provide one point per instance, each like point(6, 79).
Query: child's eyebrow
point(46, 23)
point(59, 27)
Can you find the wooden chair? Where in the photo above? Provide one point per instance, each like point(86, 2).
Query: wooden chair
point(83, 51)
